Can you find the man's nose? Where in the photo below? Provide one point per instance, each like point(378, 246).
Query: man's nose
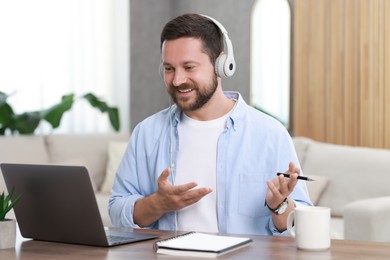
point(179, 78)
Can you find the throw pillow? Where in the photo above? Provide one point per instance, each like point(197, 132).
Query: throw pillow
point(115, 154)
point(317, 187)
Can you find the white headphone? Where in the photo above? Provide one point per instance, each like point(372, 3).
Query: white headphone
point(225, 65)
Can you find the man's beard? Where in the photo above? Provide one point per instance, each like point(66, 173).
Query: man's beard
point(202, 97)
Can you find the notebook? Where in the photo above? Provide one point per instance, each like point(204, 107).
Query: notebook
point(194, 244)
point(59, 205)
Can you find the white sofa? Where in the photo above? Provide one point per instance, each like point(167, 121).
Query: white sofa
point(100, 153)
point(354, 182)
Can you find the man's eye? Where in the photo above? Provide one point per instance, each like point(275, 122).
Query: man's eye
point(168, 69)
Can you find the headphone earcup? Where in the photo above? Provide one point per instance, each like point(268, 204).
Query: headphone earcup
point(224, 67)
point(219, 65)
point(229, 67)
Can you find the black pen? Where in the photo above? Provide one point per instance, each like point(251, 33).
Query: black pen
point(299, 177)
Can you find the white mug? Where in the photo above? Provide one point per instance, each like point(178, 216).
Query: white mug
point(310, 226)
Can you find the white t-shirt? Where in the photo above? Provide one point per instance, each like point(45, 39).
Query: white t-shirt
point(196, 162)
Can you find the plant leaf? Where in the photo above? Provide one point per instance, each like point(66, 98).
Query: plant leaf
point(6, 114)
point(54, 114)
point(113, 112)
point(13, 203)
point(96, 102)
point(2, 202)
point(25, 123)
point(5, 205)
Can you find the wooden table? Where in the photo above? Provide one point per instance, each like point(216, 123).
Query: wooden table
point(263, 248)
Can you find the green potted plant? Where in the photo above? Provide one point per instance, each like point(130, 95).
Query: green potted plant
point(7, 226)
point(27, 122)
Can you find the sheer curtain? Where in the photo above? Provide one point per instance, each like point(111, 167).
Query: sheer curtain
point(270, 57)
point(50, 48)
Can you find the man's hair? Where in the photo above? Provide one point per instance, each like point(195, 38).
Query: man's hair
point(195, 26)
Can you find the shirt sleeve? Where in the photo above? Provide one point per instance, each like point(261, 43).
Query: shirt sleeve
point(274, 230)
point(125, 192)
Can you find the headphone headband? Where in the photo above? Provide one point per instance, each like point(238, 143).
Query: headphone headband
point(225, 65)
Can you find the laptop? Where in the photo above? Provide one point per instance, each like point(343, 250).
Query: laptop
point(59, 205)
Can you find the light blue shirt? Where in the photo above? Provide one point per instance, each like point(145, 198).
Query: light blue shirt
point(252, 149)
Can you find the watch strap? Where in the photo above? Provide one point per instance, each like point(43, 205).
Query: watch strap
point(276, 211)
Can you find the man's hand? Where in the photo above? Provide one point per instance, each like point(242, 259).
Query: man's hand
point(173, 198)
point(279, 189)
point(167, 198)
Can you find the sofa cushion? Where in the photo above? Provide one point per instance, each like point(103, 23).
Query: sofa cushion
point(102, 201)
point(368, 219)
point(337, 228)
point(317, 187)
point(354, 173)
point(91, 149)
point(115, 154)
point(22, 149)
point(301, 145)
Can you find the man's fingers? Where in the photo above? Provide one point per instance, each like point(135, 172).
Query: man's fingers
point(164, 175)
point(292, 182)
point(198, 193)
point(286, 185)
point(274, 190)
point(179, 189)
point(293, 169)
point(188, 198)
point(281, 187)
point(193, 196)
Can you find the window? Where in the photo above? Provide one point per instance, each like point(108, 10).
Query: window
point(270, 58)
point(52, 48)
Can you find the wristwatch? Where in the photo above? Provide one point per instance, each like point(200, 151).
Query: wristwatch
point(281, 208)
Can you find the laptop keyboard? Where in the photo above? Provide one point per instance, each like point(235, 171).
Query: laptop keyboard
point(113, 239)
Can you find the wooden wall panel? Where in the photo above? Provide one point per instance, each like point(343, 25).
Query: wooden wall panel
point(341, 71)
point(386, 72)
point(351, 120)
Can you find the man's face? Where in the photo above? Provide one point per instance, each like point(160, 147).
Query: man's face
point(188, 73)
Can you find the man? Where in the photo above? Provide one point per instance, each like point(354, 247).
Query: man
point(207, 163)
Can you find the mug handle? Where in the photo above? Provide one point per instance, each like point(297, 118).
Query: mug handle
point(290, 227)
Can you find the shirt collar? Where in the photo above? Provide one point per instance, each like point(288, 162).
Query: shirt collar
point(238, 111)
